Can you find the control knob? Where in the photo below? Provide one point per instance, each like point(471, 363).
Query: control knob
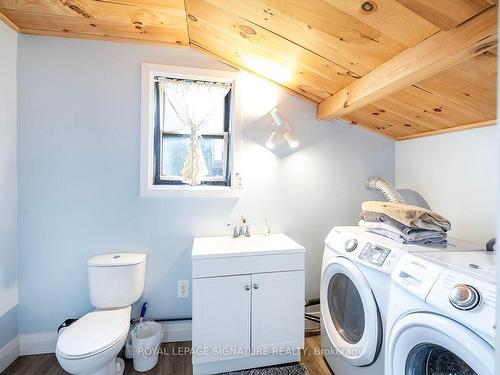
point(464, 297)
point(351, 245)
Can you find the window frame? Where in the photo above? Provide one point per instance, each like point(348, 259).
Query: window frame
point(147, 164)
point(225, 179)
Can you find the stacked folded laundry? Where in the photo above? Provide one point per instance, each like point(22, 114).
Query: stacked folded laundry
point(404, 223)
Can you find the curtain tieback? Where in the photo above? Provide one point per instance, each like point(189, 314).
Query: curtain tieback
point(196, 136)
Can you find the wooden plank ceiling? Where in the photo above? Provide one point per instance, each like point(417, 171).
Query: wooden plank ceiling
point(147, 21)
point(313, 48)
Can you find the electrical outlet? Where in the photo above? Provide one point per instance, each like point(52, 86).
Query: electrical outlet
point(182, 289)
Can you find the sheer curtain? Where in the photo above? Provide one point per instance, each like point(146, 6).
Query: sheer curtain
point(194, 102)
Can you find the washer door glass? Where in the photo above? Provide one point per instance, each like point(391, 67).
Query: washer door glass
point(431, 359)
point(346, 308)
point(349, 312)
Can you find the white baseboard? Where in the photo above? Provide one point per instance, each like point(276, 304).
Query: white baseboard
point(9, 353)
point(37, 343)
point(178, 330)
point(42, 343)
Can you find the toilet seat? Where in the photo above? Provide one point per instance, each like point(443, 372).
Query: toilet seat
point(93, 333)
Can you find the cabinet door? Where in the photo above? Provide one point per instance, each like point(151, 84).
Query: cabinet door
point(221, 318)
point(278, 311)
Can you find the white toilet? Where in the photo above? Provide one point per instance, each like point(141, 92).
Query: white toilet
point(90, 345)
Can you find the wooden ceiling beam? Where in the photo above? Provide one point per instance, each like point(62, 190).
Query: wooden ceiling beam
point(433, 55)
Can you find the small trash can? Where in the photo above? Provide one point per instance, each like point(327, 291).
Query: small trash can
point(146, 339)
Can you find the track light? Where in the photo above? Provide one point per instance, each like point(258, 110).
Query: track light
point(271, 141)
point(279, 131)
point(276, 117)
point(291, 140)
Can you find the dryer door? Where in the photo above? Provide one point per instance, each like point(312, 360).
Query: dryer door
point(426, 343)
point(349, 312)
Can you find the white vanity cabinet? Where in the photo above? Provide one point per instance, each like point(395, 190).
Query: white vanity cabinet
point(248, 302)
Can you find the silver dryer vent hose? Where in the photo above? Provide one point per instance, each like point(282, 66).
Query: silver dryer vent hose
point(382, 185)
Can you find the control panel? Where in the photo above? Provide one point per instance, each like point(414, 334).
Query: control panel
point(363, 248)
point(466, 299)
point(374, 254)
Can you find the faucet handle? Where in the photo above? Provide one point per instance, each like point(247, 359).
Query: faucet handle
point(247, 229)
point(235, 229)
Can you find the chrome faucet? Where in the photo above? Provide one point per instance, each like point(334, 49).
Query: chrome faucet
point(242, 229)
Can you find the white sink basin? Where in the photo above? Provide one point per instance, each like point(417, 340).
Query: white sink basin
point(224, 246)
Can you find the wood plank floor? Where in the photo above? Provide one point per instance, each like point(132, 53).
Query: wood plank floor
point(312, 359)
point(172, 361)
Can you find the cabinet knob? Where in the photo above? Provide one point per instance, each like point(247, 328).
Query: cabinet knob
point(247, 287)
point(256, 286)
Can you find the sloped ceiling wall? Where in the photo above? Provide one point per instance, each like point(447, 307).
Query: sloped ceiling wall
point(312, 48)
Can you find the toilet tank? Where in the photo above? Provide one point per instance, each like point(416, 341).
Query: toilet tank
point(116, 280)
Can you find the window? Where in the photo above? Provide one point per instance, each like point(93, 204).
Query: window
point(179, 105)
point(172, 140)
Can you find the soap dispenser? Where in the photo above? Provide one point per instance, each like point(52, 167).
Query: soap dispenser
point(267, 226)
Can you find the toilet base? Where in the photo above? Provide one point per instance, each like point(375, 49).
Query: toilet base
point(119, 366)
point(114, 367)
point(103, 363)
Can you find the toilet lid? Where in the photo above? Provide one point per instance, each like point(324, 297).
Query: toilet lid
point(93, 333)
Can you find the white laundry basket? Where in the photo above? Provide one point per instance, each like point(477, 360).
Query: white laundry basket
point(146, 340)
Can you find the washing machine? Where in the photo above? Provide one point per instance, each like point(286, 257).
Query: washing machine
point(442, 314)
point(354, 295)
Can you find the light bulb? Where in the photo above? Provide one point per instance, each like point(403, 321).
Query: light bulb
point(271, 141)
point(276, 117)
point(291, 140)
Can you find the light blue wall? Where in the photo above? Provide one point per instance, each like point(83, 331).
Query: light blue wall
point(8, 185)
point(79, 127)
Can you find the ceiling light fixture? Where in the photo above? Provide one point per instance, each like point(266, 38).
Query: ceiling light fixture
point(280, 130)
